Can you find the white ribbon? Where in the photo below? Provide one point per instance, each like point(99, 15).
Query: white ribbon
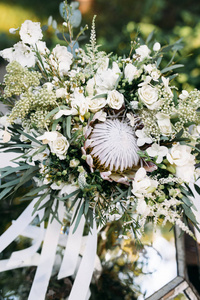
point(73, 245)
point(86, 268)
point(43, 272)
point(45, 260)
point(19, 225)
point(5, 264)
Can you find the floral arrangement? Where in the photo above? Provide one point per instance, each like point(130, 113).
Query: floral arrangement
point(108, 136)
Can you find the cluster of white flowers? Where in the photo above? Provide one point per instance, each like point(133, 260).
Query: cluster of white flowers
point(103, 120)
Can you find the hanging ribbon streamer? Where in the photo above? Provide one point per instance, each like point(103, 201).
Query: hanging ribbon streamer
point(19, 225)
point(73, 244)
point(71, 255)
point(43, 272)
point(86, 268)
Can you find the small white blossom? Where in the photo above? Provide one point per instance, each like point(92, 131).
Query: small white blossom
point(184, 95)
point(142, 137)
point(156, 46)
point(157, 150)
point(143, 51)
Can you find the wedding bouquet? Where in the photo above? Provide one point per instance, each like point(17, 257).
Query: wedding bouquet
point(99, 136)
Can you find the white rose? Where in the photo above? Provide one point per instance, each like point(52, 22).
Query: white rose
point(115, 99)
point(131, 72)
point(180, 155)
point(143, 51)
point(59, 146)
point(30, 32)
point(184, 161)
point(164, 123)
point(96, 104)
point(149, 96)
point(57, 142)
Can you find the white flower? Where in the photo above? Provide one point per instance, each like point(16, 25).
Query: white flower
point(90, 87)
point(74, 163)
point(142, 137)
point(61, 59)
point(142, 208)
point(65, 112)
point(164, 123)
point(115, 99)
point(184, 95)
point(156, 46)
point(143, 51)
point(131, 119)
point(30, 32)
point(195, 131)
point(21, 53)
point(13, 30)
point(149, 96)
point(142, 184)
point(57, 143)
point(131, 72)
point(157, 150)
point(107, 79)
point(166, 85)
point(61, 93)
point(65, 188)
point(113, 144)
point(80, 102)
point(96, 104)
point(184, 161)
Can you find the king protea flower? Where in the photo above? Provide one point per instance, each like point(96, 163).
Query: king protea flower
point(113, 145)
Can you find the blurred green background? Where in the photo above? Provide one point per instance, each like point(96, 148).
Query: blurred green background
point(117, 23)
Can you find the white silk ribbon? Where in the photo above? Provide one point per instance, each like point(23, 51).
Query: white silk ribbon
point(19, 225)
point(72, 250)
point(86, 268)
point(43, 272)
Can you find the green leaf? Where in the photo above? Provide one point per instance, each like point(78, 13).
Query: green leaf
point(31, 138)
point(37, 204)
point(68, 125)
point(158, 61)
point(35, 191)
point(10, 183)
point(99, 96)
point(27, 176)
point(80, 213)
point(171, 68)
point(189, 213)
point(69, 196)
point(197, 188)
point(187, 201)
point(87, 205)
point(5, 192)
point(14, 170)
point(150, 36)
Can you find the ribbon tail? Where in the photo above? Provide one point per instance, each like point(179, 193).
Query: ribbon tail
point(44, 270)
point(85, 271)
